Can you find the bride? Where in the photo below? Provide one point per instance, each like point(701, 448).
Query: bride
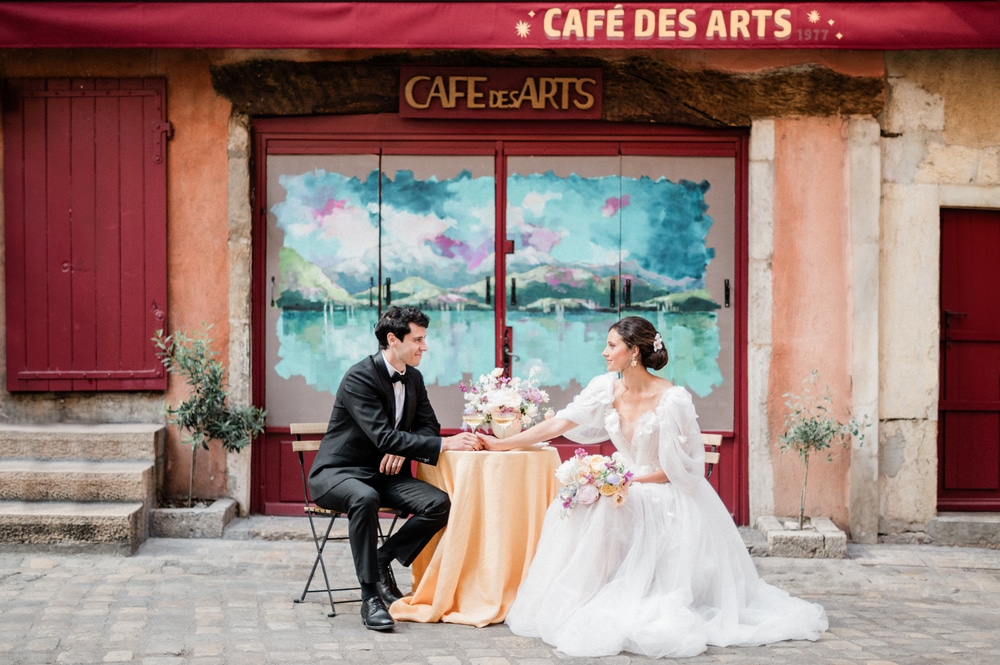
point(666, 572)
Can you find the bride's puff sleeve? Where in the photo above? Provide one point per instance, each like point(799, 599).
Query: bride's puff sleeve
point(681, 451)
point(589, 411)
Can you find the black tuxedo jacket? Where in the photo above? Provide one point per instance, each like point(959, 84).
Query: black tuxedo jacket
point(361, 429)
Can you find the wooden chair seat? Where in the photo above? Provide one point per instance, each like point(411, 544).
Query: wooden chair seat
point(712, 454)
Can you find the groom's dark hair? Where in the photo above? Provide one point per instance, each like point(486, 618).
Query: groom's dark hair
point(397, 320)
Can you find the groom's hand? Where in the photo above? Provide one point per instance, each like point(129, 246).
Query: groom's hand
point(489, 442)
point(391, 464)
point(463, 441)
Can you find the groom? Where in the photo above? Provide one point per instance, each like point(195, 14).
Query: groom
point(381, 420)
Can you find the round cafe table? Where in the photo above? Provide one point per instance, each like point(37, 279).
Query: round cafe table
point(470, 572)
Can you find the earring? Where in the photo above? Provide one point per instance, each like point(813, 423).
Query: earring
point(634, 363)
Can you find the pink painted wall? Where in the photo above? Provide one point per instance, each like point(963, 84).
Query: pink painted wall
point(811, 318)
point(197, 240)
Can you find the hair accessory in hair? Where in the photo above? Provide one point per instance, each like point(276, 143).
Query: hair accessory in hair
point(657, 342)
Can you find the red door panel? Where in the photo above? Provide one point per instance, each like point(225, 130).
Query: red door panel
point(277, 474)
point(85, 233)
point(967, 464)
point(969, 410)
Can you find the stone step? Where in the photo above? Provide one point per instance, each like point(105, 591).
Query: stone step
point(116, 441)
point(966, 529)
point(75, 480)
point(112, 528)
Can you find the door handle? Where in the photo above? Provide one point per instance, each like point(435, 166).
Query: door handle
point(613, 289)
point(948, 314)
point(628, 292)
point(487, 290)
point(513, 291)
point(388, 291)
point(507, 356)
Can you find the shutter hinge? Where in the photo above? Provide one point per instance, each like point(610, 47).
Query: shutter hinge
point(161, 128)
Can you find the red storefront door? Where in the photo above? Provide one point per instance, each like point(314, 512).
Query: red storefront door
point(969, 426)
point(524, 248)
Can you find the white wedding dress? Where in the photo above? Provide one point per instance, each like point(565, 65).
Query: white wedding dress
point(664, 574)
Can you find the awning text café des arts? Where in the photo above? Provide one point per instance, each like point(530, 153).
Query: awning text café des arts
point(502, 25)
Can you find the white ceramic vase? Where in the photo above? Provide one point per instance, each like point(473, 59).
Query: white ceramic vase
point(509, 429)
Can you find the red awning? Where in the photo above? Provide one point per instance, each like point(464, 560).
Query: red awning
point(503, 25)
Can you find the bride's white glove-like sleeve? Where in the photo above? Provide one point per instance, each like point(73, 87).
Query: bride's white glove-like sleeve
point(681, 451)
point(589, 410)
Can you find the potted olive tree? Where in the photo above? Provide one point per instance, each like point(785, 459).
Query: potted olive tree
point(812, 429)
point(206, 415)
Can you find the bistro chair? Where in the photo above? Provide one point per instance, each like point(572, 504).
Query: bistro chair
point(307, 439)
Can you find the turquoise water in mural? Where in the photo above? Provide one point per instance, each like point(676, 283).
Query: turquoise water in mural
point(320, 346)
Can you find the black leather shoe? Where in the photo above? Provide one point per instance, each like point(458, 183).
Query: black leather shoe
point(386, 586)
point(374, 615)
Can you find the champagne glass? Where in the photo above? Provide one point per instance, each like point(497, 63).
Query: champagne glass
point(473, 419)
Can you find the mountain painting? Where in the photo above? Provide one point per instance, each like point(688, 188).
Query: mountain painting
point(587, 250)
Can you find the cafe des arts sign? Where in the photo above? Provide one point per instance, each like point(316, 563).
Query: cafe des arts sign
point(501, 25)
point(500, 93)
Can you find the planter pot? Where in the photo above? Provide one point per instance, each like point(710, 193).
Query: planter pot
point(819, 538)
point(198, 522)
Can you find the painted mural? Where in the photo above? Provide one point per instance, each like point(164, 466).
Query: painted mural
point(578, 242)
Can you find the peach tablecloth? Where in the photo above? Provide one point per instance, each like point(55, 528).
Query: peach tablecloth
point(470, 572)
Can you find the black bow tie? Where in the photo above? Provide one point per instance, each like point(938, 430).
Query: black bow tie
point(398, 377)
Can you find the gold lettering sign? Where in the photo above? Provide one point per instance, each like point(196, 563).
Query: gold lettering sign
point(498, 93)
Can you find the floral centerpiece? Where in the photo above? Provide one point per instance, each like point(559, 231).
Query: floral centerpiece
point(586, 478)
point(500, 397)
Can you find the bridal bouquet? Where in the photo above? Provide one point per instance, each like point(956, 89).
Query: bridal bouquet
point(511, 396)
point(586, 478)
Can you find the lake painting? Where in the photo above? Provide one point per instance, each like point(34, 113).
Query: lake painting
point(587, 250)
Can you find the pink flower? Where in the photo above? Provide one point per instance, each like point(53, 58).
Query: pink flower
point(587, 494)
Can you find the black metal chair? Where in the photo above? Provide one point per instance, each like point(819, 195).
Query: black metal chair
point(307, 439)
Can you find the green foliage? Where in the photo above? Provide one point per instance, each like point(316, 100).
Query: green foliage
point(205, 415)
point(810, 427)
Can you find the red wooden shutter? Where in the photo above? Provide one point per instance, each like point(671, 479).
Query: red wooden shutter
point(85, 225)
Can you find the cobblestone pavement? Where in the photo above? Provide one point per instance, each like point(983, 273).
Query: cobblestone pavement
point(229, 601)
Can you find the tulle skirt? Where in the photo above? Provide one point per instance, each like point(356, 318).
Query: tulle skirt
point(664, 574)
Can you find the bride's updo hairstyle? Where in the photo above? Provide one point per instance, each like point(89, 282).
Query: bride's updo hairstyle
point(637, 332)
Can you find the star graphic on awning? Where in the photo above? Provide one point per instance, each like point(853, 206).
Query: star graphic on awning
point(523, 29)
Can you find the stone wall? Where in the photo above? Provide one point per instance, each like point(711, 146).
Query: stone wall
point(940, 148)
point(718, 90)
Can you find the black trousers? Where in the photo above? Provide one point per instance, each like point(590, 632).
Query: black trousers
point(427, 506)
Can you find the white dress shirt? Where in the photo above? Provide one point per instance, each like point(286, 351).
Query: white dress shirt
point(398, 388)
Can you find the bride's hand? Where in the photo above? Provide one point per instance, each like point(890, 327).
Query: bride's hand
point(489, 442)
